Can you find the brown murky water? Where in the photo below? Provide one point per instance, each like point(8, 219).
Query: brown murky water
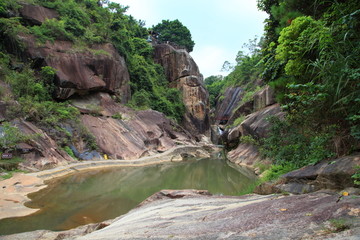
point(96, 196)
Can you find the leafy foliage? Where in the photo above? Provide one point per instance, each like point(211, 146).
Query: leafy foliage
point(356, 176)
point(287, 144)
point(10, 136)
point(311, 58)
point(214, 85)
point(175, 32)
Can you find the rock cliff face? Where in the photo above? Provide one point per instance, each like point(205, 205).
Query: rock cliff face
point(81, 71)
point(255, 124)
point(132, 134)
point(224, 110)
point(36, 15)
point(183, 73)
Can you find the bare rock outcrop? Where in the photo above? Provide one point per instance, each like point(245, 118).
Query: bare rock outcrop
point(332, 174)
point(183, 73)
point(257, 125)
point(35, 14)
point(245, 155)
point(81, 71)
point(267, 217)
point(123, 133)
point(264, 98)
point(41, 152)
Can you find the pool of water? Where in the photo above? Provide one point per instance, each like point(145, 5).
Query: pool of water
point(95, 196)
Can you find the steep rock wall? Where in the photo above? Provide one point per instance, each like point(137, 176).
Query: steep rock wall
point(182, 72)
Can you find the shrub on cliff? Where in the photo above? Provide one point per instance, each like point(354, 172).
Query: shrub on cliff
point(10, 136)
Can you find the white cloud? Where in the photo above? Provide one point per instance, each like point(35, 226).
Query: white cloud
point(210, 59)
point(141, 10)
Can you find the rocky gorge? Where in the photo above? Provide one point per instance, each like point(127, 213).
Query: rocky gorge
point(319, 201)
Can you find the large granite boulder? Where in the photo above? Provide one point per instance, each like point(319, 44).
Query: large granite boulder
point(243, 110)
point(328, 174)
point(183, 73)
point(123, 133)
point(331, 174)
point(191, 216)
point(177, 62)
point(257, 125)
point(263, 98)
point(81, 71)
point(35, 14)
point(246, 155)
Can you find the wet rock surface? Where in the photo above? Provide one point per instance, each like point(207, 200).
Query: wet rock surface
point(224, 110)
point(193, 214)
point(182, 73)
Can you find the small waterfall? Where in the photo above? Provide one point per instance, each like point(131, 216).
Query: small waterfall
point(232, 102)
point(220, 131)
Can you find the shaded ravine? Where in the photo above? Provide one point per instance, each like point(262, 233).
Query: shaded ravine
point(105, 194)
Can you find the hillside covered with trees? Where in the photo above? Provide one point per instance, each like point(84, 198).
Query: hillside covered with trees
point(80, 39)
point(86, 23)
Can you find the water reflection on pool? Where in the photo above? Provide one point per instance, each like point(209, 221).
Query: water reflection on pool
point(96, 196)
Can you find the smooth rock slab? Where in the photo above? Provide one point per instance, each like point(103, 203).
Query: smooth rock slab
point(182, 215)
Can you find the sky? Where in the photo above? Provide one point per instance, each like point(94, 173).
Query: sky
point(219, 28)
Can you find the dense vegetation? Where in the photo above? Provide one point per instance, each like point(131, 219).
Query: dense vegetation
point(310, 56)
point(84, 23)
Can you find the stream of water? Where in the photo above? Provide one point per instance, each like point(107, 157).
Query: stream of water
point(99, 195)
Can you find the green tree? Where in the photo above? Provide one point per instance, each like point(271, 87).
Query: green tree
point(214, 84)
point(10, 136)
point(175, 32)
